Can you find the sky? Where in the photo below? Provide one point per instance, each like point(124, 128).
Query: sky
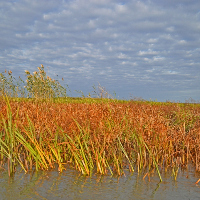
point(147, 49)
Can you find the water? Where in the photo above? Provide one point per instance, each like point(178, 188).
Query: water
point(71, 185)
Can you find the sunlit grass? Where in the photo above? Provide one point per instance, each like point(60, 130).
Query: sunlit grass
point(41, 128)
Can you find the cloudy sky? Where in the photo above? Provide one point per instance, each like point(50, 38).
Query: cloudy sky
point(146, 48)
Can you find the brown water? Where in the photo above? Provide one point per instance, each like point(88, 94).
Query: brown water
point(71, 185)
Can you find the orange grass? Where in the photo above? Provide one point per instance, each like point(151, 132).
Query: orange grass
point(103, 137)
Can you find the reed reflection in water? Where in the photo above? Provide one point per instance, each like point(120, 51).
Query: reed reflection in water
point(70, 184)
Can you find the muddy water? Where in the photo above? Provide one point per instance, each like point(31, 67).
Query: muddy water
point(71, 185)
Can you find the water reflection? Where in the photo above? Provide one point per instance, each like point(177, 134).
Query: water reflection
point(71, 185)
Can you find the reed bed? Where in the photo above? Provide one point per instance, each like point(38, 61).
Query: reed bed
point(98, 135)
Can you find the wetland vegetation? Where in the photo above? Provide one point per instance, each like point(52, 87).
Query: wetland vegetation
point(42, 128)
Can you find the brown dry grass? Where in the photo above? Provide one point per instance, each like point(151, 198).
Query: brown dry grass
point(170, 130)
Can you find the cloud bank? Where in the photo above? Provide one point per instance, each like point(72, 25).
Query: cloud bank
point(147, 48)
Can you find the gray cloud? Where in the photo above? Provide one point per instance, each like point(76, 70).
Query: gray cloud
point(140, 48)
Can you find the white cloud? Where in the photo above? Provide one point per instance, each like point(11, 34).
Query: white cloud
point(148, 52)
point(152, 40)
point(170, 29)
point(158, 58)
point(182, 42)
point(122, 56)
point(121, 9)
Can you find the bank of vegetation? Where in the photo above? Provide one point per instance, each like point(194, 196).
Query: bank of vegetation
point(41, 128)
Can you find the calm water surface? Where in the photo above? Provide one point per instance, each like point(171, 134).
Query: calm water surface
point(71, 185)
